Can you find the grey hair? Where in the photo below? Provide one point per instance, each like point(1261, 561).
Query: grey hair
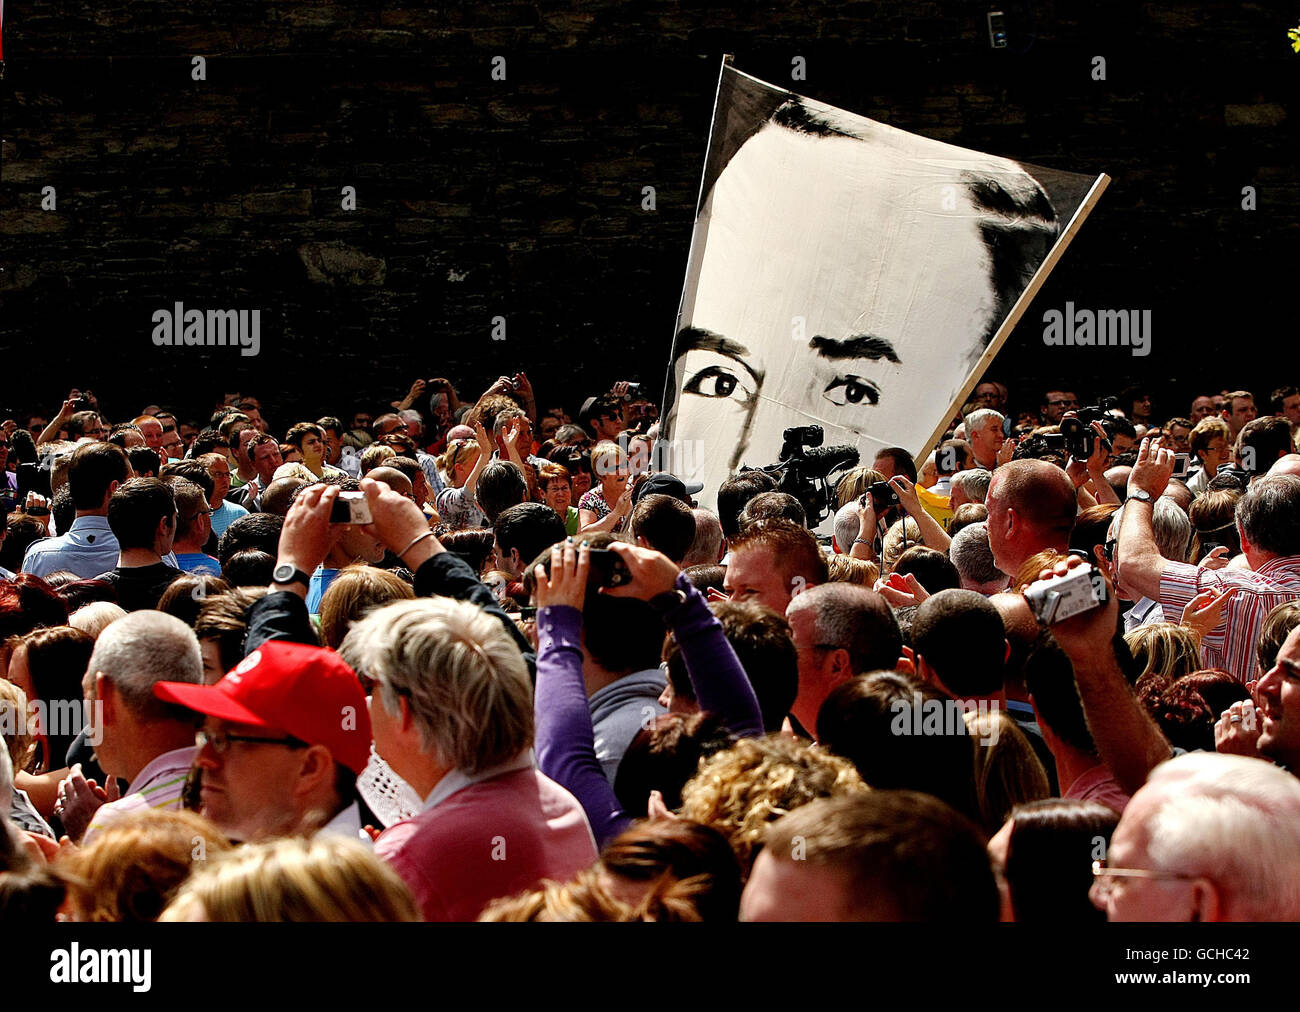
point(503, 416)
point(1170, 526)
point(1235, 820)
point(140, 650)
point(979, 418)
point(971, 553)
point(706, 549)
point(974, 482)
point(463, 676)
point(853, 618)
point(1172, 529)
point(1269, 514)
point(95, 617)
point(847, 526)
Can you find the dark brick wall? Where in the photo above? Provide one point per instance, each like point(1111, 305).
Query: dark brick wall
point(521, 198)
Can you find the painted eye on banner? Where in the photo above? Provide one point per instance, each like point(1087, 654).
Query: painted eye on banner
point(717, 376)
point(851, 390)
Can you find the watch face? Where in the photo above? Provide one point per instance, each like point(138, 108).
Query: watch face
point(282, 574)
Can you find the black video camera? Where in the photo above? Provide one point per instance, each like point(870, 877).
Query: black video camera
point(804, 469)
point(1080, 439)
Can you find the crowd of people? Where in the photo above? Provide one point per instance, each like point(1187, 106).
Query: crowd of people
point(456, 661)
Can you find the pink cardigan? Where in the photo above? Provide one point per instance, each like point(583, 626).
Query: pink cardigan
point(493, 838)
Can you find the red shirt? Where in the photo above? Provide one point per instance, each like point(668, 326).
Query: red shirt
point(490, 838)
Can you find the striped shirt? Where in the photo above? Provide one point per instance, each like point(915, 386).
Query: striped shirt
point(1231, 644)
point(158, 785)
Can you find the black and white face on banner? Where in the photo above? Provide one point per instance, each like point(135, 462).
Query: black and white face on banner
point(844, 274)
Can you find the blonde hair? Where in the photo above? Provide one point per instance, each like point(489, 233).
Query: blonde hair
point(95, 617)
point(854, 483)
point(355, 592)
point(902, 535)
point(132, 870)
point(457, 450)
point(846, 569)
point(326, 878)
point(606, 458)
point(740, 790)
point(374, 455)
point(1165, 650)
point(1008, 771)
point(20, 745)
point(460, 671)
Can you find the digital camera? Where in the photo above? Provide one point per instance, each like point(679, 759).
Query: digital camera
point(1058, 599)
point(350, 508)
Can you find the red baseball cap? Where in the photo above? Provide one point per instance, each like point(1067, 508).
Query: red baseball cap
point(305, 691)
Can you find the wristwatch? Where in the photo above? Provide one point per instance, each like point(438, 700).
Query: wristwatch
point(1140, 495)
point(286, 572)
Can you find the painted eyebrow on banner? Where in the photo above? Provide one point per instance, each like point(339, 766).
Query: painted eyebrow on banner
point(858, 346)
point(693, 338)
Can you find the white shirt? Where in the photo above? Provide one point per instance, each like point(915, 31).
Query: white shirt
point(348, 824)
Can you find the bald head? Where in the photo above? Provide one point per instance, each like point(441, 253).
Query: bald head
point(1289, 464)
point(1032, 506)
point(393, 478)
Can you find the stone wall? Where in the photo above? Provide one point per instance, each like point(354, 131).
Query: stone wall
point(521, 198)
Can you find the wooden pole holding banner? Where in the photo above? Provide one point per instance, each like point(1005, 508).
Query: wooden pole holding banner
point(1018, 310)
point(728, 59)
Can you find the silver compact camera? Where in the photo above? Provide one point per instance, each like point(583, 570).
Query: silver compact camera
point(1058, 599)
point(350, 508)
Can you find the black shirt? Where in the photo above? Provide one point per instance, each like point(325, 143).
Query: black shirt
point(140, 587)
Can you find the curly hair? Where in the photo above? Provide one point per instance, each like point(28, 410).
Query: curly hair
point(740, 790)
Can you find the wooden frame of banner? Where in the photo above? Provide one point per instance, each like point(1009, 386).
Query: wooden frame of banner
point(1026, 297)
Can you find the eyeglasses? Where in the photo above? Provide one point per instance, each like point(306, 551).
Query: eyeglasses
point(198, 513)
point(1063, 403)
point(221, 742)
point(1103, 876)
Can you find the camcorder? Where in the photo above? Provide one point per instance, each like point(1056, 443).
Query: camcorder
point(1060, 598)
point(1080, 439)
point(804, 468)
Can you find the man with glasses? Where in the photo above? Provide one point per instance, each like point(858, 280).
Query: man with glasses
point(193, 527)
point(286, 734)
point(171, 446)
point(1209, 838)
point(1055, 404)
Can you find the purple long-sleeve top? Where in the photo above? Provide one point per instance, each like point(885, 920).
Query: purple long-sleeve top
point(566, 747)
